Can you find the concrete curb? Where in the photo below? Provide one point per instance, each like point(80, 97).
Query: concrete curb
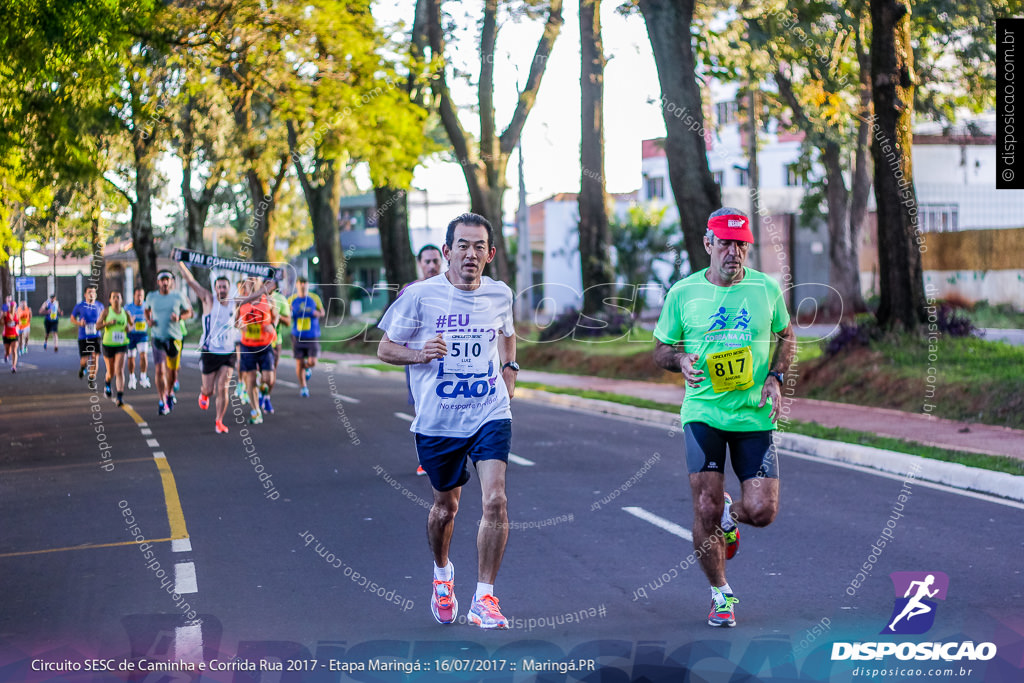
point(949, 474)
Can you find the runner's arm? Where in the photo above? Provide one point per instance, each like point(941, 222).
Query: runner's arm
point(785, 350)
point(506, 354)
point(102, 322)
point(202, 292)
point(257, 293)
point(670, 357)
point(284, 314)
point(396, 354)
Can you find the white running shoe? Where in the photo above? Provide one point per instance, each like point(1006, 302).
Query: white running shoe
point(131, 382)
point(144, 382)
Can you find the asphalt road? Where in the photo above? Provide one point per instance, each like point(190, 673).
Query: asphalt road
point(318, 551)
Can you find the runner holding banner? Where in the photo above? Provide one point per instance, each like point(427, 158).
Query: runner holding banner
point(198, 258)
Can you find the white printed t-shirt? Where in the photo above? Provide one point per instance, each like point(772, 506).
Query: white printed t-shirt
point(457, 394)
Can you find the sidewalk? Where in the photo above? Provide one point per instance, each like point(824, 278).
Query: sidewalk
point(931, 431)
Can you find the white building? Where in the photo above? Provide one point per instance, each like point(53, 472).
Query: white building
point(554, 223)
point(974, 233)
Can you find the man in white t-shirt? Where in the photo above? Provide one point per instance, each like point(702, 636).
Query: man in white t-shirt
point(455, 332)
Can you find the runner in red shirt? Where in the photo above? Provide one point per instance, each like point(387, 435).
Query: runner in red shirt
point(257, 322)
point(10, 324)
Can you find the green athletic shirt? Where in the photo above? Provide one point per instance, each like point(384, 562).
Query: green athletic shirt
point(280, 303)
point(116, 331)
point(709, 319)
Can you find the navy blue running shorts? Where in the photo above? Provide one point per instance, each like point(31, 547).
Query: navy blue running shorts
point(444, 457)
point(753, 453)
point(255, 358)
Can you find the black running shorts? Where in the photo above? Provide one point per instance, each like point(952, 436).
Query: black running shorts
point(753, 453)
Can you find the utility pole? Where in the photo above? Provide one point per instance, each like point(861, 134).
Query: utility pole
point(753, 178)
point(524, 266)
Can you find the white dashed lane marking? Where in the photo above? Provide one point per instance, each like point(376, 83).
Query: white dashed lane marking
point(660, 522)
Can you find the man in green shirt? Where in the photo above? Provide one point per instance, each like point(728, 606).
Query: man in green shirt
point(279, 303)
point(716, 328)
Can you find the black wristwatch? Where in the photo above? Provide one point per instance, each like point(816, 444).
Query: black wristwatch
point(778, 376)
point(511, 364)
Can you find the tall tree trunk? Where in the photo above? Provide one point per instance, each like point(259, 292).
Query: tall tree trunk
point(485, 171)
point(142, 221)
point(196, 210)
point(847, 210)
point(696, 193)
point(595, 237)
point(860, 184)
point(5, 281)
point(899, 259)
point(323, 210)
point(263, 197)
point(393, 224)
point(321, 188)
point(754, 175)
point(844, 268)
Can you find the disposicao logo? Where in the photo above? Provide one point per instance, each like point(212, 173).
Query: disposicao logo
point(913, 613)
point(916, 592)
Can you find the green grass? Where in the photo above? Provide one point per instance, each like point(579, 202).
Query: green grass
point(988, 462)
point(383, 367)
point(963, 378)
point(1002, 316)
point(967, 359)
point(602, 396)
point(808, 348)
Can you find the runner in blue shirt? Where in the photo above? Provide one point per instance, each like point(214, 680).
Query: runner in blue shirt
point(307, 309)
point(85, 315)
point(138, 340)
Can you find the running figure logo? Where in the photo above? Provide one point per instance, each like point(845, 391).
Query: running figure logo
point(914, 612)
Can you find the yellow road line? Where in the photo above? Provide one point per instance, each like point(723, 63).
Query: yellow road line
point(88, 546)
point(175, 515)
point(131, 412)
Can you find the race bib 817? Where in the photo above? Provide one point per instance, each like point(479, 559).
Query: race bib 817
point(731, 370)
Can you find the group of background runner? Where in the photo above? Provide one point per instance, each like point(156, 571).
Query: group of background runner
point(454, 332)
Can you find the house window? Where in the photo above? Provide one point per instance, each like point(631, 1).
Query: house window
point(655, 187)
point(794, 177)
point(940, 217)
point(742, 177)
point(719, 177)
point(725, 113)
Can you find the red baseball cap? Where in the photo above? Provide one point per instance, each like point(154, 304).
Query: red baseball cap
point(731, 227)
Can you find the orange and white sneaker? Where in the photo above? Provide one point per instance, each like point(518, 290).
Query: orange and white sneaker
point(420, 472)
point(204, 402)
point(220, 427)
point(443, 603)
point(730, 530)
point(485, 613)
